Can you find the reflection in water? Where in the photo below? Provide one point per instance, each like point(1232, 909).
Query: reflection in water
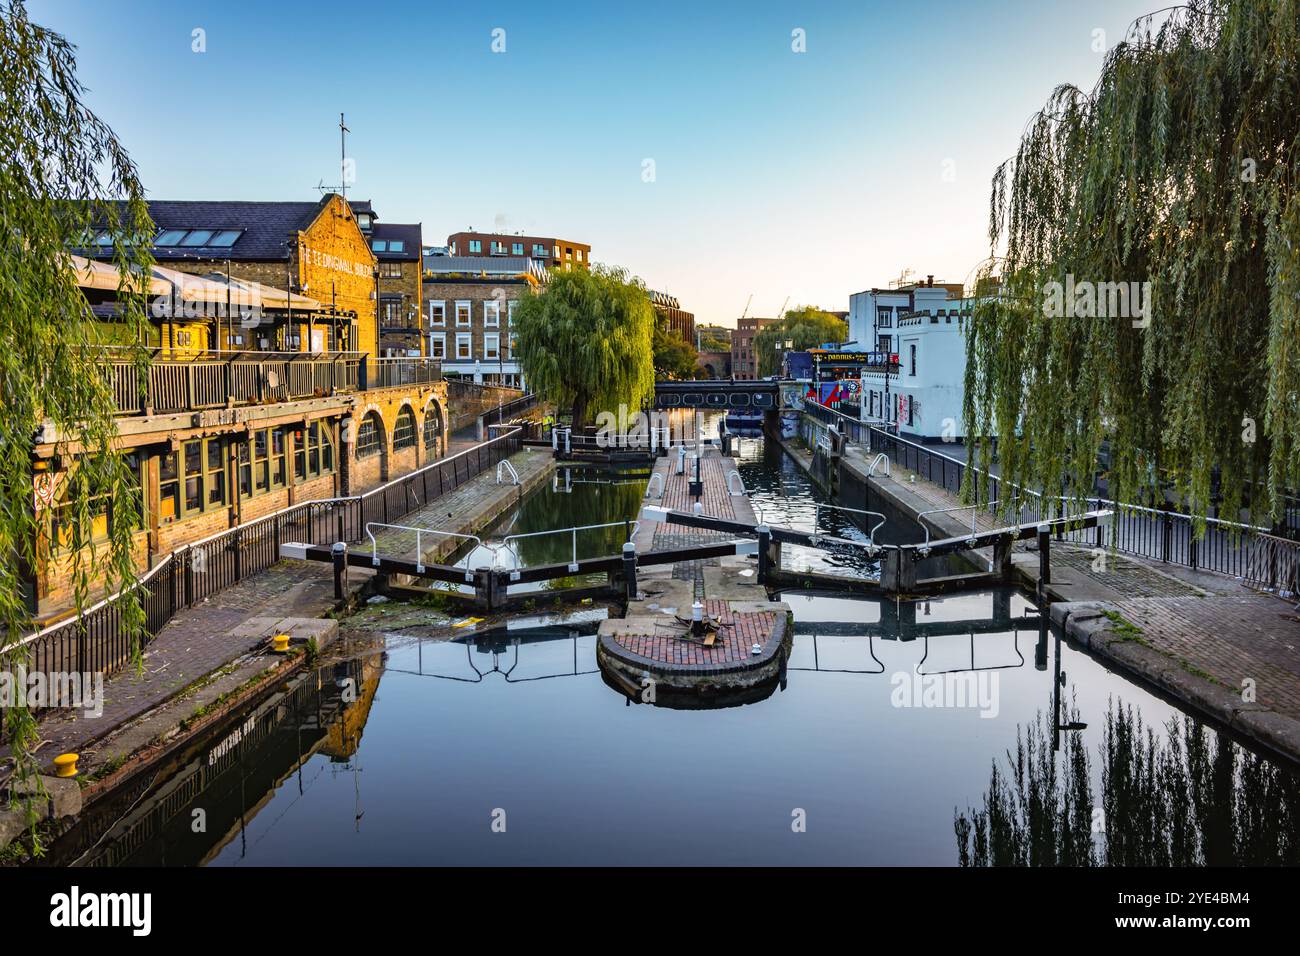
point(1187, 796)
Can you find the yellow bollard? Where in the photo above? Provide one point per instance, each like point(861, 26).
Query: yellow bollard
point(280, 644)
point(65, 765)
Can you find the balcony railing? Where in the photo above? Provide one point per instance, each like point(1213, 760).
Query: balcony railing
point(184, 383)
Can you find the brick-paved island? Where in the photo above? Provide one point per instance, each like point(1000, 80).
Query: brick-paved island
point(651, 654)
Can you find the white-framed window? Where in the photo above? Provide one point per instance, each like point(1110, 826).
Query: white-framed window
point(463, 313)
point(492, 347)
point(464, 346)
point(492, 313)
point(437, 312)
point(511, 339)
point(510, 311)
point(438, 345)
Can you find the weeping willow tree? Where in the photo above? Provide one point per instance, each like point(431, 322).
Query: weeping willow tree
point(64, 174)
point(1147, 238)
point(585, 341)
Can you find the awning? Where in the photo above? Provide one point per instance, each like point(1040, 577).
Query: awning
point(177, 286)
point(104, 277)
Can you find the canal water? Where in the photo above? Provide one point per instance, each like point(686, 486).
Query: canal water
point(879, 746)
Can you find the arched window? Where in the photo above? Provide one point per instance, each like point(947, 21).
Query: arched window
point(433, 430)
point(370, 436)
point(404, 434)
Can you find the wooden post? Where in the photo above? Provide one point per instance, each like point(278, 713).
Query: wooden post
point(629, 570)
point(1044, 561)
point(764, 553)
point(339, 554)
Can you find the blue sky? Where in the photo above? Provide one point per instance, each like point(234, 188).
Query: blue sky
point(802, 175)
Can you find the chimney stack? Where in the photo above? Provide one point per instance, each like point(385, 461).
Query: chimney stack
point(929, 281)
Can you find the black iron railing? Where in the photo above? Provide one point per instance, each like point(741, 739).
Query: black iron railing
point(96, 640)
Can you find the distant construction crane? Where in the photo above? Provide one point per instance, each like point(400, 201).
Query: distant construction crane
point(747, 302)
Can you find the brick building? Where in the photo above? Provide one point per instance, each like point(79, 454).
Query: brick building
point(397, 249)
point(551, 253)
point(469, 311)
point(241, 418)
point(744, 361)
point(678, 320)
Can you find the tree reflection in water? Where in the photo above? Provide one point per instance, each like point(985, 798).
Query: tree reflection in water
point(1187, 796)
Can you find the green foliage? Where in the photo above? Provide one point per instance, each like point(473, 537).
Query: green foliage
point(584, 341)
point(63, 173)
point(674, 358)
point(807, 326)
point(1178, 169)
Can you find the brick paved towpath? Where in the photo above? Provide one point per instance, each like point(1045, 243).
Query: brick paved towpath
point(224, 638)
point(1227, 651)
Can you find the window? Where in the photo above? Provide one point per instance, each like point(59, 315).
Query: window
point(557, 253)
point(369, 442)
point(64, 530)
point(517, 249)
point(396, 245)
point(463, 346)
point(510, 311)
point(438, 313)
point(404, 429)
point(476, 245)
point(197, 237)
point(539, 250)
point(912, 350)
point(462, 312)
point(226, 237)
point(363, 221)
point(261, 462)
point(511, 339)
point(492, 347)
point(169, 237)
point(579, 255)
point(438, 345)
point(313, 451)
point(492, 313)
point(392, 312)
point(192, 480)
point(390, 270)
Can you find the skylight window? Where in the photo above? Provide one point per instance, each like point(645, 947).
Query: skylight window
point(379, 245)
point(169, 237)
point(197, 237)
point(226, 237)
point(397, 245)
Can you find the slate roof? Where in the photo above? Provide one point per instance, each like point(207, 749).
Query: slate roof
point(408, 233)
point(266, 226)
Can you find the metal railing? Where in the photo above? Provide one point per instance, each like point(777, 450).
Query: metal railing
point(508, 543)
point(419, 542)
point(174, 383)
point(96, 640)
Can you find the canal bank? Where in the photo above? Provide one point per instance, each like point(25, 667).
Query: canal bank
point(1230, 653)
point(213, 659)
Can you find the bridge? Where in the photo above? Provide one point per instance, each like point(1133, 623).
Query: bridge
point(756, 395)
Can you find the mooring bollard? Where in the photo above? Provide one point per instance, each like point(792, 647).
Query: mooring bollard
point(629, 570)
point(339, 555)
point(681, 459)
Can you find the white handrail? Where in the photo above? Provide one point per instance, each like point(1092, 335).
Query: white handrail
point(419, 550)
point(871, 534)
point(735, 474)
point(877, 460)
point(651, 483)
point(508, 543)
point(510, 469)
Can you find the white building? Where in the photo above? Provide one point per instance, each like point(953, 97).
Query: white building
point(922, 324)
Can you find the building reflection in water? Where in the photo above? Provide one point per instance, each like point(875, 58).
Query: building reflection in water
point(204, 797)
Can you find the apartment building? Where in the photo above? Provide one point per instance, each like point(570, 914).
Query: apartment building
point(549, 252)
point(744, 361)
point(469, 315)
